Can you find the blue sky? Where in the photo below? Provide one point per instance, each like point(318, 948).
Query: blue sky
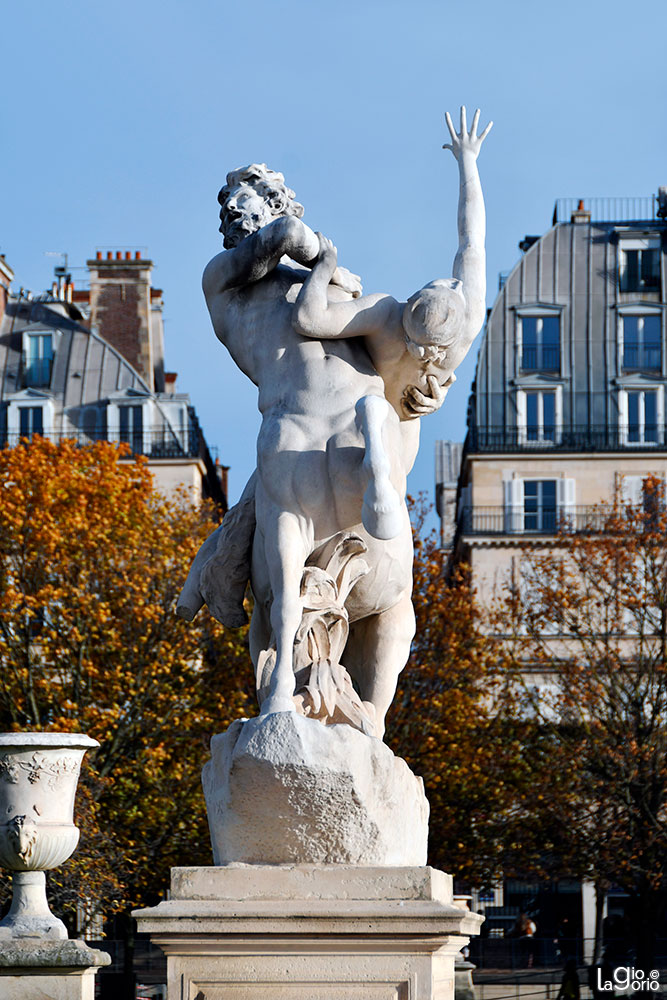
point(120, 121)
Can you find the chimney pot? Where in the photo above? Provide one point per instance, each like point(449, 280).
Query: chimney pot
point(98, 255)
point(128, 255)
point(581, 215)
point(137, 255)
point(119, 255)
point(109, 255)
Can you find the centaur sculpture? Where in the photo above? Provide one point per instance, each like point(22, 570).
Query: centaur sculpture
point(322, 529)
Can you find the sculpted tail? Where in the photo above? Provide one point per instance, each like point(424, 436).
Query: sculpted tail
point(220, 571)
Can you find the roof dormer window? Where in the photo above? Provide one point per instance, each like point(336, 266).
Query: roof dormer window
point(38, 354)
point(639, 264)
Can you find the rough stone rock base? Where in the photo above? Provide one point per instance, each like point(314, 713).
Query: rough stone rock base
point(309, 932)
point(40, 969)
point(286, 789)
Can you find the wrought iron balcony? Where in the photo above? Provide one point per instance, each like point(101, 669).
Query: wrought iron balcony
point(540, 359)
point(568, 439)
point(155, 442)
point(518, 520)
point(642, 358)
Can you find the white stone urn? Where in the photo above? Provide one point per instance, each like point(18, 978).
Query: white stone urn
point(39, 773)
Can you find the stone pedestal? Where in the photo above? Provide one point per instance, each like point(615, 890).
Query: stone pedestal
point(330, 932)
point(39, 969)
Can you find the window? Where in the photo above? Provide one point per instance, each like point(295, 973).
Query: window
point(540, 343)
point(635, 490)
point(37, 359)
point(31, 420)
point(538, 505)
point(540, 422)
point(639, 269)
point(641, 416)
point(642, 343)
point(539, 415)
point(131, 426)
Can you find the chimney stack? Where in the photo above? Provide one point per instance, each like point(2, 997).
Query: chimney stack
point(126, 313)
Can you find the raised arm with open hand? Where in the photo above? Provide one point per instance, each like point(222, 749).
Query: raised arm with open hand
point(466, 142)
point(470, 261)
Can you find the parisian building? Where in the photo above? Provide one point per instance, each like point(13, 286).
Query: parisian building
point(567, 411)
point(568, 403)
point(89, 364)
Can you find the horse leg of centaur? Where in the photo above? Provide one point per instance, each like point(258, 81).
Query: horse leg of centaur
point(286, 550)
point(381, 513)
point(377, 650)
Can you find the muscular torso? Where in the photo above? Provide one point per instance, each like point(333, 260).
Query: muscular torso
point(309, 450)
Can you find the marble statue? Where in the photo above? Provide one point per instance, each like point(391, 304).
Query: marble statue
point(322, 529)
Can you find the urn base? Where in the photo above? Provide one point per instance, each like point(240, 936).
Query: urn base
point(29, 915)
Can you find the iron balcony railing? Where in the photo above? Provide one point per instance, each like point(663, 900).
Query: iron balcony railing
point(570, 439)
point(518, 520)
point(542, 520)
point(540, 359)
point(639, 209)
point(160, 442)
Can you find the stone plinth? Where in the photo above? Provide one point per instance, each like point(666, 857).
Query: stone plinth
point(331, 932)
point(285, 789)
point(39, 969)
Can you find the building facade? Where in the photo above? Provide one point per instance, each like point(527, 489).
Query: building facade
point(89, 364)
point(568, 403)
point(567, 412)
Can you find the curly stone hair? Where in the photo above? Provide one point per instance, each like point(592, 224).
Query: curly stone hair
point(270, 184)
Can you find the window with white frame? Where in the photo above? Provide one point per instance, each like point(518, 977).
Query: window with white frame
point(540, 343)
point(29, 412)
point(639, 264)
point(539, 413)
point(38, 356)
point(642, 342)
point(538, 505)
point(131, 426)
point(646, 493)
point(641, 415)
point(129, 418)
point(31, 420)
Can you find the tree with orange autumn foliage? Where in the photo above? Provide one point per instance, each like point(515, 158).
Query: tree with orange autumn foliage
point(92, 559)
point(456, 722)
point(591, 614)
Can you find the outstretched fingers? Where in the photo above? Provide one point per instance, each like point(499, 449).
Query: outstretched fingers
point(486, 132)
point(465, 140)
point(452, 130)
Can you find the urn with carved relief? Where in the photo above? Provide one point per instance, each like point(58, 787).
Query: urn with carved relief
point(39, 773)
